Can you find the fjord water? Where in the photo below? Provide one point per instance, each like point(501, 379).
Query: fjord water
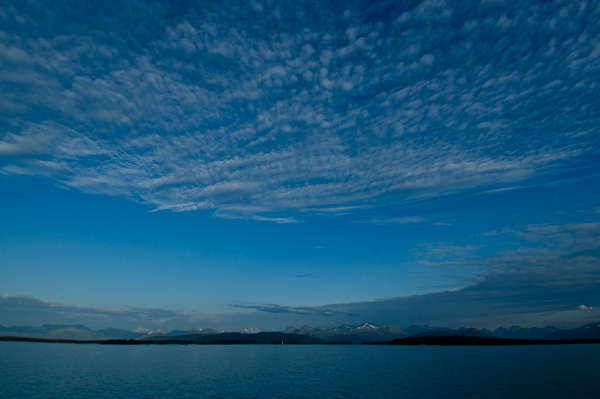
point(48, 370)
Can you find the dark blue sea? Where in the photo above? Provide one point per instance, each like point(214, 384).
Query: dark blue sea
point(49, 370)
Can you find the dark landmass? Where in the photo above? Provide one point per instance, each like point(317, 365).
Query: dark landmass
point(234, 337)
point(345, 333)
point(116, 333)
point(446, 332)
point(62, 331)
point(516, 332)
point(294, 339)
point(478, 341)
point(196, 339)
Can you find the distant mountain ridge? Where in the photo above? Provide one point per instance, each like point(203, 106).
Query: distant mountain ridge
point(240, 337)
point(366, 332)
point(516, 332)
point(60, 331)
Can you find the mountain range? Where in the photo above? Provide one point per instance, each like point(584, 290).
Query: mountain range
point(366, 332)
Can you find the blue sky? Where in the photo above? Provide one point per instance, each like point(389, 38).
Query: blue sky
point(259, 164)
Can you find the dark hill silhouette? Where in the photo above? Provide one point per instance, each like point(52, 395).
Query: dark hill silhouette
point(234, 337)
point(476, 341)
point(367, 332)
point(463, 332)
point(516, 332)
point(588, 331)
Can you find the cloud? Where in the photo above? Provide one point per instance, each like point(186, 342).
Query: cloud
point(583, 307)
point(534, 292)
point(540, 281)
point(569, 239)
point(445, 251)
point(24, 310)
point(302, 310)
point(292, 114)
point(400, 220)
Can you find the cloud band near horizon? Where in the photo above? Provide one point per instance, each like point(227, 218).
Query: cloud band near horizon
point(556, 284)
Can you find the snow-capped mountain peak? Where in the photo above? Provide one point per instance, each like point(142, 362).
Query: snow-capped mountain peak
point(251, 330)
point(367, 326)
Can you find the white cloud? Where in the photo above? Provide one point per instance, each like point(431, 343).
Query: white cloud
point(428, 59)
point(583, 307)
point(401, 220)
point(335, 112)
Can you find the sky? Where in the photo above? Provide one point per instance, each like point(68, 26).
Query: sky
point(270, 163)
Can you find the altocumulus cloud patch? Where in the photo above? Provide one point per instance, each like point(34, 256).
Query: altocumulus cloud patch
point(253, 109)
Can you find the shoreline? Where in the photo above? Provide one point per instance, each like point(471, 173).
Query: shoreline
point(410, 341)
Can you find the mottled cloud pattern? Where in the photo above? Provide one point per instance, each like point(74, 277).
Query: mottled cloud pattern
point(255, 110)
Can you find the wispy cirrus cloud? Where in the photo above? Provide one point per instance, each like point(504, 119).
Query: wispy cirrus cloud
point(300, 310)
point(398, 220)
point(297, 108)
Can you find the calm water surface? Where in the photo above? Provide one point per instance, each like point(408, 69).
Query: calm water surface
point(47, 370)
